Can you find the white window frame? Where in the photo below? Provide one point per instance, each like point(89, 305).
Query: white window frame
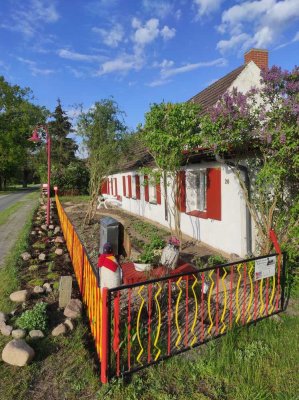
point(196, 190)
point(152, 193)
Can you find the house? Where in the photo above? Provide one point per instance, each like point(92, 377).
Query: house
point(211, 206)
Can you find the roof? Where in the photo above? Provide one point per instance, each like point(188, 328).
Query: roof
point(137, 157)
point(209, 96)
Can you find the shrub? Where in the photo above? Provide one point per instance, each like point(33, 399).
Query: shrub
point(149, 254)
point(34, 319)
point(216, 260)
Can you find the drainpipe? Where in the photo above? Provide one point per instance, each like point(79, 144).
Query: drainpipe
point(248, 216)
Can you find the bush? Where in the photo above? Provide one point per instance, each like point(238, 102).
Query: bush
point(34, 319)
point(149, 254)
point(216, 260)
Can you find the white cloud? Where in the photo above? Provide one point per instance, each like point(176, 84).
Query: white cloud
point(158, 82)
point(121, 64)
point(111, 37)
point(167, 72)
point(30, 17)
point(294, 40)
point(158, 8)
point(32, 65)
point(167, 33)
point(206, 7)
point(257, 23)
point(164, 64)
point(74, 56)
point(146, 33)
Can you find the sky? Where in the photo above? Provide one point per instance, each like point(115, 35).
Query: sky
point(137, 51)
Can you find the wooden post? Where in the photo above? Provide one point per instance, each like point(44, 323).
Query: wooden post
point(104, 344)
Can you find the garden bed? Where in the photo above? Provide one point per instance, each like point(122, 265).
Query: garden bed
point(140, 232)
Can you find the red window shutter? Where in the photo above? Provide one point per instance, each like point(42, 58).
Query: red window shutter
point(104, 187)
point(115, 185)
point(111, 184)
point(158, 191)
point(146, 191)
point(214, 193)
point(108, 186)
point(130, 186)
point(181, 194)
point(137, 185)
point(124, 186)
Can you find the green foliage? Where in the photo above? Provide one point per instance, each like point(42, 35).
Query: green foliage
point(52, 276)
point(33, 268)
point(73, 178)
point(148, 230)
point(39, 245)
point(150, 255)
point(215, 260)
point(34, 319)
point(102, 130)
point(170, 129)
point(36, 282)
point(17, 116)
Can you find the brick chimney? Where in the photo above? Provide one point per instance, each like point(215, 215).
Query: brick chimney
point(258, 56)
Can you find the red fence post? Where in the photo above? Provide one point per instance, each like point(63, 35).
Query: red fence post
point(104, 344)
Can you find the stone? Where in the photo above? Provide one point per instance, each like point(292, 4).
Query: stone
point(44, 227)
point(36, 334)
point(47, 287)
point(59, 252)
point(6, 330)
point(65, 290)
point(20, 296)
point(51, 227)
point(69, 324)
point(277, 318)
point(26, 256)
point(40, 232)
point(73, 309)
point(59, 239)
point(42, 257)
point(17, 352)
point(18, 333)
point(67, 258)
point(3, 316)
point(59, 330)
point(38, 289)
point(56, 230)
point(33, 233)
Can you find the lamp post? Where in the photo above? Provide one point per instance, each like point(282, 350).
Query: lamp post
point(35, 138)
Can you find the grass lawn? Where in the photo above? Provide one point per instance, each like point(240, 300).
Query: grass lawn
point(258, 362)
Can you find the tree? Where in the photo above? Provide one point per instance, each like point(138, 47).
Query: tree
point(259, 130)
point(17, 116)
point(102, 129)
point(170, 129)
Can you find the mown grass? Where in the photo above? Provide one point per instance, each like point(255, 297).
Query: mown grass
point(75, 199)
point(5, 214)
point(9, 280)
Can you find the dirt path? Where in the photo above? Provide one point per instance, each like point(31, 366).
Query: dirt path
point(10, 230)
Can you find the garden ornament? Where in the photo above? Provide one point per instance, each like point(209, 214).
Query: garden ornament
point(109, 268)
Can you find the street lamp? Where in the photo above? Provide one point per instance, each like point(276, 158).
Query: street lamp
point(35, 138)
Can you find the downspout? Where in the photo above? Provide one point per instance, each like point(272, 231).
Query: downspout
point(248, 216)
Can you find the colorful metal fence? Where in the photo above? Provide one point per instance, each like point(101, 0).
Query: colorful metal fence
point(137, 325)
point(85, 275)
point(151, 321)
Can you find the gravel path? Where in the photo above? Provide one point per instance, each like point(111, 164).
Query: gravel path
point(7, 200)
point(10, 230)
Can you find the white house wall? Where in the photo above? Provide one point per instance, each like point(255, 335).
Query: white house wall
point(227, 235)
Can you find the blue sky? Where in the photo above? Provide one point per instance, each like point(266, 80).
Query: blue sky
point(139, 52)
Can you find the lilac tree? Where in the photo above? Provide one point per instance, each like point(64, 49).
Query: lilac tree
point(259, 130)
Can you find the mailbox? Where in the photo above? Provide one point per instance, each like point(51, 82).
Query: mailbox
point(109, 232)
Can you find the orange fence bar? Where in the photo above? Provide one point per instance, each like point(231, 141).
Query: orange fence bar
point(87, 282)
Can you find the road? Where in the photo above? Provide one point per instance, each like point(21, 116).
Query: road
point(8, 200)
point(9, 231)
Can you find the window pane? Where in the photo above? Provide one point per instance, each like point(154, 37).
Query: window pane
point(202, 192)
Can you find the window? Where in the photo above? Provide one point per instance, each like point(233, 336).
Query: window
point(152, 191)
point(200, 193)
point(196, 190)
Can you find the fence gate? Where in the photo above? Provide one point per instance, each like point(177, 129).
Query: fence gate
point(147, 322)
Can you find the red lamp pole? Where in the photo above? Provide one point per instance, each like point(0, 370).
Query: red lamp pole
point(49, 173)
point(35, 138)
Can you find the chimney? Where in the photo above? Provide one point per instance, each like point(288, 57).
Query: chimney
point(258, 56)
